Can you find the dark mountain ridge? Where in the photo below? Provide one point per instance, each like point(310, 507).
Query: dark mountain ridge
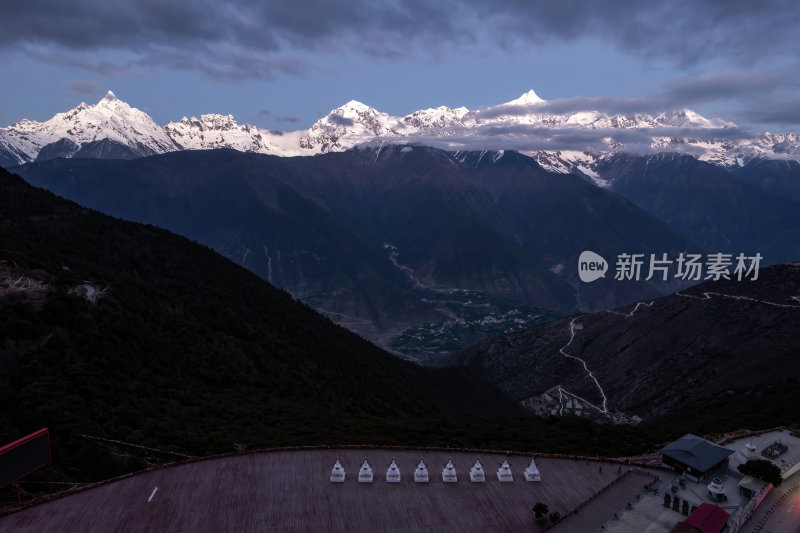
point(777, 176)
point(411, 247)
point(752, 210)
point(127, 331)
point(656, 358)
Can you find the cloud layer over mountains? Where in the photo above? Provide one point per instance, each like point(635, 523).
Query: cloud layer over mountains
point(168, 32)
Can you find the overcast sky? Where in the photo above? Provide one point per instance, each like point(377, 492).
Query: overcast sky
point(282, 64)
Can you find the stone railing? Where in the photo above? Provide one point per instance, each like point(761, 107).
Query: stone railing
point(738, 520)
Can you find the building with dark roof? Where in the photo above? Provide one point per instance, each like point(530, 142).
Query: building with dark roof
point(694, 456)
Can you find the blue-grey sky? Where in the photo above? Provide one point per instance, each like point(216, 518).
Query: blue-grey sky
point(282, 64)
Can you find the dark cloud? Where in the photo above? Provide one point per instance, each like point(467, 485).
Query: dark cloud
point(339, 120)
point(265, 114)
point(251, 39)
point(119, 24)
point(82, 61)
point(223, 61)
point(779, 113)
point(731, 85)
point(86, 88)
point(224, 40)
point(689, 31)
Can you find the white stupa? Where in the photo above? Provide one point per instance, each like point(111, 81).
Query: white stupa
point(393, 473)
point(750, 451)
point(504, 474)
point(421, 473)
point(716, 490)
point(449, 472)
point(532, 473)
point(337, 474)
point(365, 474)
point(476, 474)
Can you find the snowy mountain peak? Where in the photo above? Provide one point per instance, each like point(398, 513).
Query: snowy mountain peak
point(217, 131)
point(111, 104)
point(215, 121)
point(528, 98)
point(436, 118)
point(352, 123)
point(353, 105)
point(690, 119)
point(110, 119)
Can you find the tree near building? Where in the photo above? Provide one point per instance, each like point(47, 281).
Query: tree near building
point(763, 470)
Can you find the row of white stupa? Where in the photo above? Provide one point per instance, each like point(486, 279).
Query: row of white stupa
point(476, 473)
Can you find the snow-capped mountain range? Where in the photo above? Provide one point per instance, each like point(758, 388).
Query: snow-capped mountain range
point(565, 142)
point(110, 119)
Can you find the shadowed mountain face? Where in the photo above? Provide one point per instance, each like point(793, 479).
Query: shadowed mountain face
point(655, 358)
point(127, 331)
point(779, 177)
point(753, 210)
point(417, 249)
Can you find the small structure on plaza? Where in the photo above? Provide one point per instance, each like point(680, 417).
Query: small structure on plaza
point(716, 490)
point(504, 474)
point(365, 474)
point(774, 450)
point(750, 451)
point(393, 472)
point(421, 473)
point(476, 474)
point(449, 472)
point(337, 473)
point(694, 456)
point(749, 485)
point(532, 473)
